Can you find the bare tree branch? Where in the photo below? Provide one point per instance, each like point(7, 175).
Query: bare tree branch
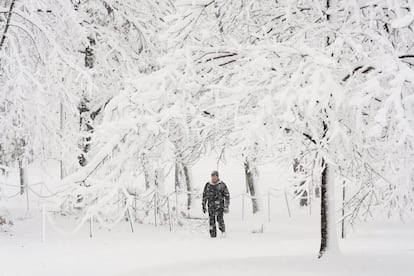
point(6, 28)
point(407, 56)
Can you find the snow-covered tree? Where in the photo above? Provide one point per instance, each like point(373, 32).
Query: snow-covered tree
point(327, 81)
point(123, 43)
point(329, 53)
point(39, 73)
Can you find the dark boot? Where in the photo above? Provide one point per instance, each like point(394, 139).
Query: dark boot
point(220, 221)
point(212, 221)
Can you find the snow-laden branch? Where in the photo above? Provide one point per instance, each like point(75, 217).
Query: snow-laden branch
point(6, 28)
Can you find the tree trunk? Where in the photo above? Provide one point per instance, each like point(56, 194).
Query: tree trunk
point(177, 173)
point(250, 172)
point(189, 185)
point(87, 117)
point(85, 126)
point(324, 215)
point(148, 173)
point(159, 180)
point(6, 28)
point(328, 223)
point(182, 170)
point(23, 175)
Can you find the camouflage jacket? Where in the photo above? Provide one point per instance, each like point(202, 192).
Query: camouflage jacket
point(217, 195)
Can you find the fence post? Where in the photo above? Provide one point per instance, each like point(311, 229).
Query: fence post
point(243, 206)
point(176, 203)
point(343, 211)
point(119, 202)
point(268, 205)
point(155, 206)
point(27, 196)
point(130, 220)
point(62, 119)
point(169, 213)
point(90, 226)
point(43, 237)
point(287, 203)
point(135, 206)
point(310, 199)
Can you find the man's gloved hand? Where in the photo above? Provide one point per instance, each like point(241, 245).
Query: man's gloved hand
point(204, 209)
point(226, 210)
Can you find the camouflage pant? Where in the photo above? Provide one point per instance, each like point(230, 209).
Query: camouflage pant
point(216, 215)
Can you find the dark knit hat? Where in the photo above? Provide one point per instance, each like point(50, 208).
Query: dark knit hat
point(215, 173)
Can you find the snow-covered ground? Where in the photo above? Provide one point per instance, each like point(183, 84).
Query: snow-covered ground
point(287, 246)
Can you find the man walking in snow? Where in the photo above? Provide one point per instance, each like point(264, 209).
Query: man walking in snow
point(217, 197)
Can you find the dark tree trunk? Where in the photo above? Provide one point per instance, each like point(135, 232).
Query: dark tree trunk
point(148, 173)
point(249, 172)
point(159, 180)
point(328, 218)
point(182, 170)
point(328, 232)
point(177, 176)
point(85, 125)
point(324, 211)
point(188, 186)
point(147, 180)
point(22, 165)
point(23, 176)
point(6, 28)
point(86, 118)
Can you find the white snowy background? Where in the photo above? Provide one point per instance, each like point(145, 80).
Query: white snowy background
point(114, 113)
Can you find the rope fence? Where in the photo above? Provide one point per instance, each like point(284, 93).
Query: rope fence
point(154, 201)
point(151, 201)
